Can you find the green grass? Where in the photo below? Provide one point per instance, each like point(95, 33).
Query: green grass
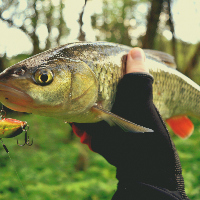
point(189, 152)
point(57, 166)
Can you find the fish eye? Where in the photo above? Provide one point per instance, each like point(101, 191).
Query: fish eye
point(43, 76)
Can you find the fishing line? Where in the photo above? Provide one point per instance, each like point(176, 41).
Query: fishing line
point(21, 184)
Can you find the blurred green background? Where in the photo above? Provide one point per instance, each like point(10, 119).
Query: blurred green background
point(57, 166)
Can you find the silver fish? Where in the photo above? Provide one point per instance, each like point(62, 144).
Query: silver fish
point(77, 82)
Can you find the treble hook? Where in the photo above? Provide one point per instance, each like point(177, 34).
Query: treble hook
point(26, 138)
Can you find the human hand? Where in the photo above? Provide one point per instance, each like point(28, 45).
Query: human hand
point(136, 61)
point(147, 158)
point(135, 64)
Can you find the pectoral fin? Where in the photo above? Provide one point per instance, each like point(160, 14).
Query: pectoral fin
point(113, 119)
point(181, 125)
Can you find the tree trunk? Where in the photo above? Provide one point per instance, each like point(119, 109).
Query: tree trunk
point(61, 24)
point(81, 36)
point(193, 63)
point(49, 25)
point(152, 24)
point(125, 38)
point(34, 37)
point(171, 25)
point(2, 65)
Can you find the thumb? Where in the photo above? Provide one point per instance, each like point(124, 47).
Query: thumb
point(136, 61)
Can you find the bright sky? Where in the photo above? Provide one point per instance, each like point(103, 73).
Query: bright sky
point(186, 14)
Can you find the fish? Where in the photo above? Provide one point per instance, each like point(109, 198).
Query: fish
point(11, 127)
point(77, 82)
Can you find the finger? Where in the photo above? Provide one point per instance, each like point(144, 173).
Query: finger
point(136, 61)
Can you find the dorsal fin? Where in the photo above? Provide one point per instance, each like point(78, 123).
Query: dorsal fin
point(162, 57)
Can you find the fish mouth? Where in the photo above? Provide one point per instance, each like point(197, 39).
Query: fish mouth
point(14, 98)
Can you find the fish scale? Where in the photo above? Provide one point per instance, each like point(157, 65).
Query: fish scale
point(169, 97)
point(174, 96)
point(83, 83)
point(107, 82)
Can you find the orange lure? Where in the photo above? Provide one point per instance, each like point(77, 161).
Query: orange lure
point(11, 127)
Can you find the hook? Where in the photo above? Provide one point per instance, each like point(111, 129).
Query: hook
point(26, 138)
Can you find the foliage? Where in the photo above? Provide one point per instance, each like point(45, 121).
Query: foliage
point(116, 23)
point(50, 169)
point(31, 15)
point(57, 166)
point(190, 160)
point(137, 23)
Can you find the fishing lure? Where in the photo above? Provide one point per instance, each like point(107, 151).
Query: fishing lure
point(12, 127)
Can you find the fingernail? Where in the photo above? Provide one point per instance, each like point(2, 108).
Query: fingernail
point(138, 54)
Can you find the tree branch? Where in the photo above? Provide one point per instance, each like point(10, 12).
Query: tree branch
point(171, 25)
point(11, 23)
point(152, 24)
point(81, 36)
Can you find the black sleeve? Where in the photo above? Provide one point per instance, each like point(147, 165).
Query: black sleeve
point(148, 166)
